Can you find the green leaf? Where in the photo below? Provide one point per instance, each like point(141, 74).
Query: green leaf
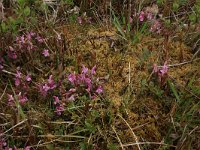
point(192, 18)
point(4, 27)
point(172, 87)
point(90, 127)
point(21, 2)
point(112, 146)
point(27, 11)
point(175, 6)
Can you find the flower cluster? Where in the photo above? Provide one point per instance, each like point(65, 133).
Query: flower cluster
point(82, 83)
point(161, 72)
point(47, 86)
point(155, 23)
point(21, 84)
point(26, 42)
point(84, 19)
point(21, 98)
point(21, 80)
point(4, 145)
point(59, 105)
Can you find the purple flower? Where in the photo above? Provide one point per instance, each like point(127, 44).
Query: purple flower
point(156, 26)
point(84, 69)
point(130, 19)
point(51, 82)
point(10, 99)
point(142, 15)
point(80, 20)
point(149, 16)
point(39, 39)
point(71, 98)
point(72, 90)
point(155, 68)
point(89, 19)
point(42, 89)
point(93, 71)
point(22, 98)
point(28, 36)
point(17, 81)
point(56, 100)
point(27, 148)
point(28, 78)
point(45, 87)
point(18, 74)
point(11, 53)
point(99, 90)
point(164, 69)
point(45, 52)
point(1, 67)
point(22, 39)
point(59, 109)
point(88, 83)
point(72, 78)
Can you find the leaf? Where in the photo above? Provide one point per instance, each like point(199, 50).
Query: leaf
point(90, 127)
point(27, 11)
point(4, 27)
point(172, 87)
point(21, 2)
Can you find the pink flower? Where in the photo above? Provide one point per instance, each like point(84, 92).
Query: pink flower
point(80, 20)
point(142, 15)
point(11, 53)
point(51, 82)
point(56, 100)
point(89, 19)
point(28, 78)
point(93, 71)
point(156, 26)
point(149, 16)
point(10, 99)
point(39, 39)
point(72, 77)
point(72, 90)
point(22, 98)
point(155, 68)
point(71, 98)
point(17, 81)
point(18, 74)
point(45, 53)
point(59, 109)
point(131, 20)
point(28, 36)
point(27, 148)
point(22, 39)
point(164, 69)
point(1, 67)
point(99, 90)
point(42, 90)
point(45, 87)
point(84, 69)
point(88, 83)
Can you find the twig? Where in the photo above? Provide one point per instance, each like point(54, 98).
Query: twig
point(136, 139)
point(154, 143)
point(13, 127)
point(5, 71)
point(3, 92)
point(180, 64)
point(118, 138)
point(196, 53)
